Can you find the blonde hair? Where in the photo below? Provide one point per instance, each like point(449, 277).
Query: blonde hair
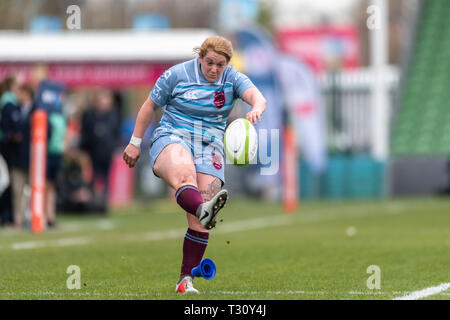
point(217, 44)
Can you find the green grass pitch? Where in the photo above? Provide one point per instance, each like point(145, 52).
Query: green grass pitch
point(321, 252)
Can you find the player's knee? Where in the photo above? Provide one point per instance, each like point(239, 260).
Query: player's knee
point(184, 178)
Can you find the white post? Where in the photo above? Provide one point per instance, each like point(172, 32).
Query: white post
point(380, 94)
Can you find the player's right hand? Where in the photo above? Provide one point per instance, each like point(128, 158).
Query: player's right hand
point(131, 155)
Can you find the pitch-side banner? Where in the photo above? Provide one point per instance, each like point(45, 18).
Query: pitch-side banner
point(322, 47)
point(108, 74)
point(303, 100)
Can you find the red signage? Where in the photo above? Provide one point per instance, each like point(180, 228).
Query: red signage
point(113, 75)
point(322, 48)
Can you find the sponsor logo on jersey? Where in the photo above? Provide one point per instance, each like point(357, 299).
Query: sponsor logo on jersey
point(219, 99)
point(217, 160)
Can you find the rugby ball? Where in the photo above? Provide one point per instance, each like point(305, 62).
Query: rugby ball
point(241, 142)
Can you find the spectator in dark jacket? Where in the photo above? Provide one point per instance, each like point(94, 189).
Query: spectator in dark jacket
point(100, 136)
point(21, 162)
point(9, 137)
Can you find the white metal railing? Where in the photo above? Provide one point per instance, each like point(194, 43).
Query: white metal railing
point(348, 102)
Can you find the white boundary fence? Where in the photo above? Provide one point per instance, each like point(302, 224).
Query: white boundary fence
point(348, 103)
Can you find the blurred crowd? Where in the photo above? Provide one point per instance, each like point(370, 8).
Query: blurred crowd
point(80, 148)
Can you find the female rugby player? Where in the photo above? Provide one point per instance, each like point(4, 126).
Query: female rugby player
point(186, 149)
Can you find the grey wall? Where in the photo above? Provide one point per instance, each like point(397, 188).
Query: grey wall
point(420, 175)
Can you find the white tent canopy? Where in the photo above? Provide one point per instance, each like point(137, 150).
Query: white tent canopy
point(77, 46)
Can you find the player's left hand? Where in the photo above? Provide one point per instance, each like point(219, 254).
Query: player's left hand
point(254, 116)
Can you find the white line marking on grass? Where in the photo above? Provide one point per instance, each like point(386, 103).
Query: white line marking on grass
point(64, 242)
point(156, 235)
point(395, 208)
point(252, 293)
point(70, 227)
point(27, 245)
point(96, 293)
point(234, 226)
point(425, 292)
point(301, 292)
point(106, 225)
point(72, 241)
point(251, 224)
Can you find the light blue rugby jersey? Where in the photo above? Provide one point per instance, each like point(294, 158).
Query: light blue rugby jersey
point(189, 101)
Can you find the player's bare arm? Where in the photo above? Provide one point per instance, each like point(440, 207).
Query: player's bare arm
point(132, 152)
point(258, 103)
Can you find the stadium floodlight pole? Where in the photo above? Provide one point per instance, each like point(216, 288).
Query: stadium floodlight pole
point(380, 95)
point(380, 111)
